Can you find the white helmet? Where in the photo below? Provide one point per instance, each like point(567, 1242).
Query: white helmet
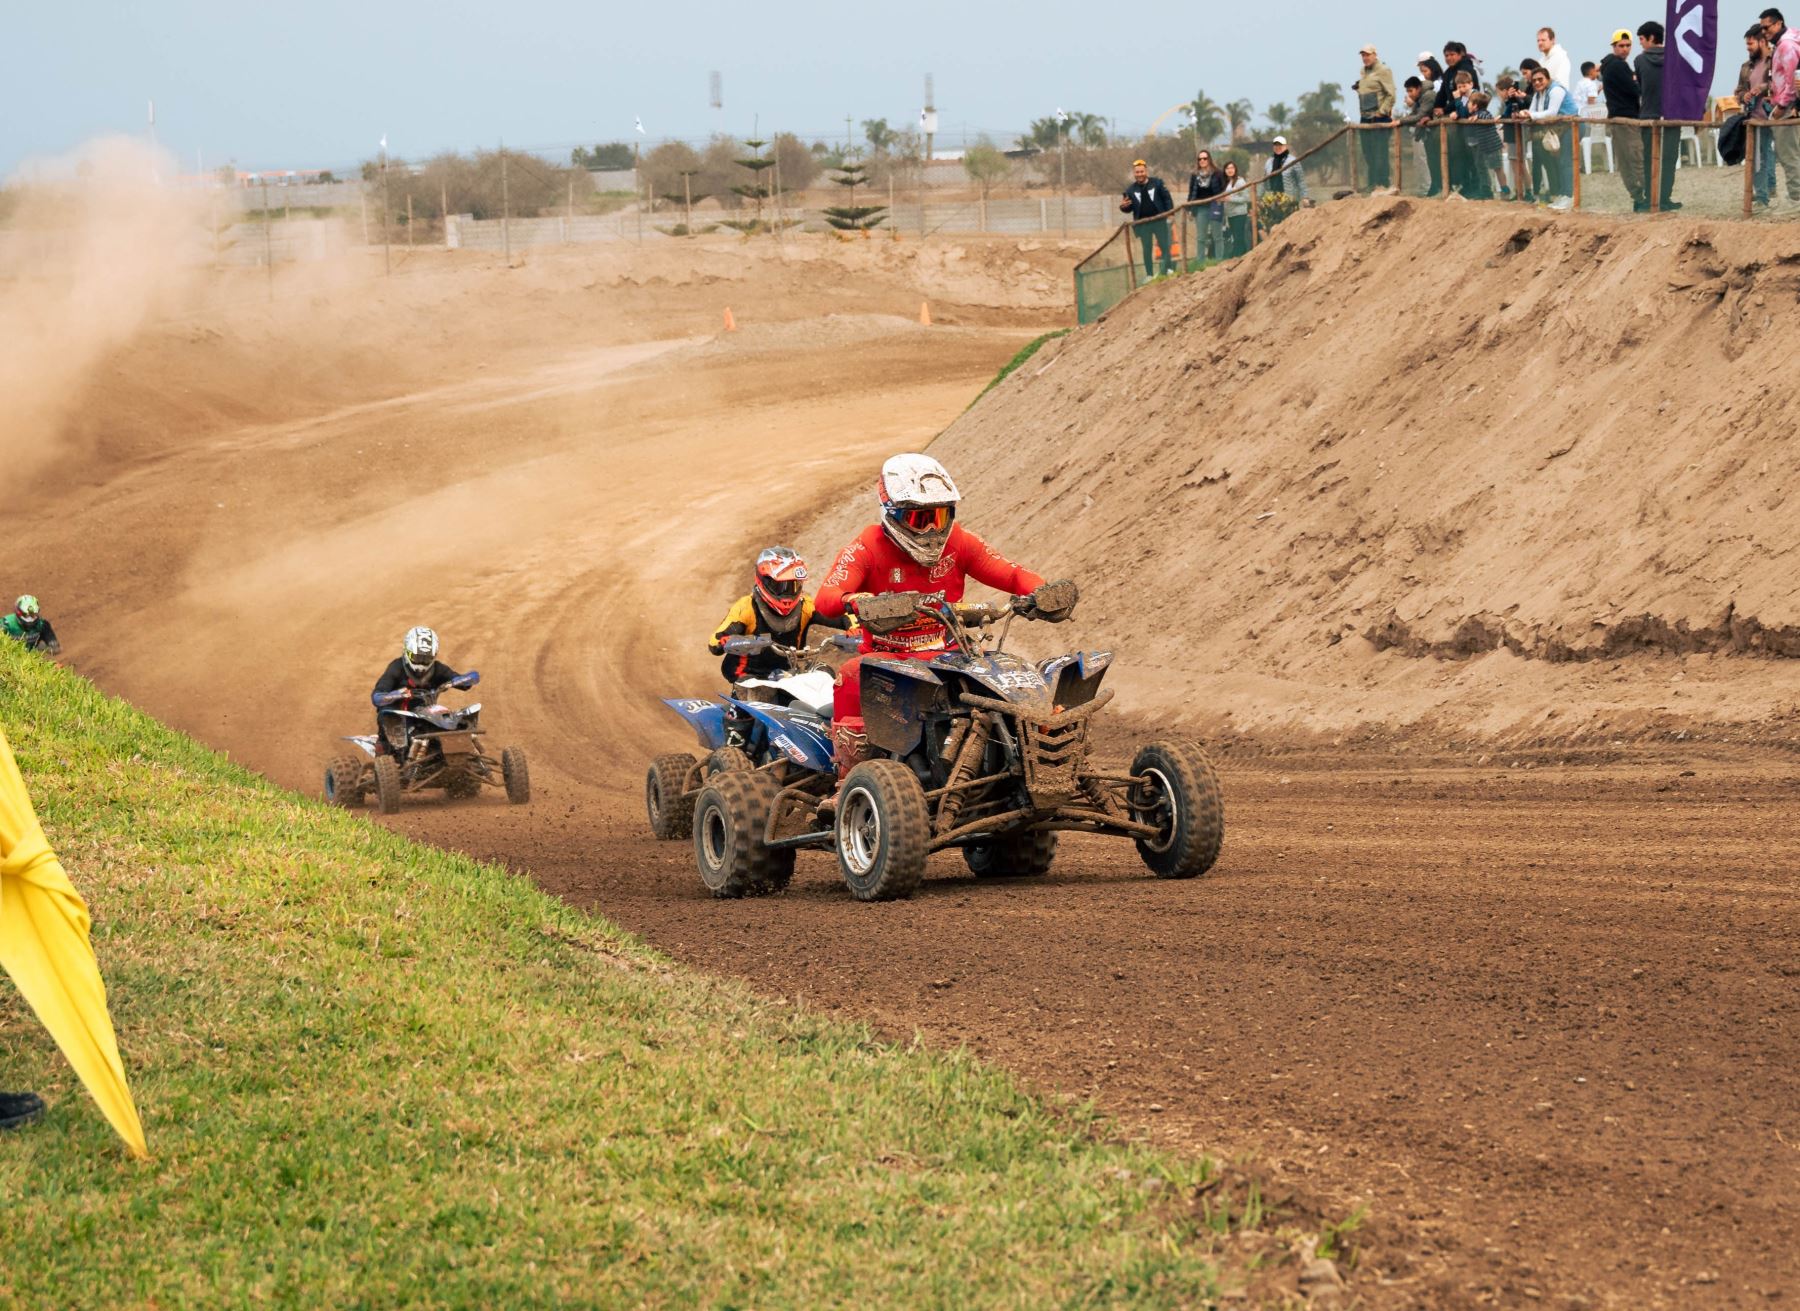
point(419, 650)
point(918, 505)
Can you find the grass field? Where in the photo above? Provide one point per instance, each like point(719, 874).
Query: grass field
point(376, 1074)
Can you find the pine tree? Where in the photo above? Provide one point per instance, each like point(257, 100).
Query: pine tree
point(854, 217)
point(756, 189)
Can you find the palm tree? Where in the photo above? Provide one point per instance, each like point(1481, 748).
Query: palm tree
point(1209, 117)
point(1280, 116)
point(1324, 102)
point(1240, 112)
point(1089, 129)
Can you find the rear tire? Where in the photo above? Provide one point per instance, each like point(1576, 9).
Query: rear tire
point(1025, 855)
point(883, 831)
point(1180, 793)
point(665, 796)
point(343, 781)
point(387, 785)
point(731, 818)
point(728, 760)
point(517, 775)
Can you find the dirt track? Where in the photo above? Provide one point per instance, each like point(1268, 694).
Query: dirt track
point(1542, 1019)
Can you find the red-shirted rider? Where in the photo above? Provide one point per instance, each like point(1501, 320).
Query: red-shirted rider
point(917, 547)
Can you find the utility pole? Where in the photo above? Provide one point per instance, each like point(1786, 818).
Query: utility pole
point(409, 234)
point(570, 222)
point(387, 249)
point(637, 179)
point(1063, 173)
point(505, 210)
point(687, 199)
point(444, 207)
point(268, 241)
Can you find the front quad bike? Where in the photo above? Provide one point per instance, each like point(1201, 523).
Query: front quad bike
point(443, 749)
point(975, 748)
point(673, 783)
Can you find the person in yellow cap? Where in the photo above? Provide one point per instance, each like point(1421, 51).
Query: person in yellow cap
point(1620, 87)
point(1146, 200)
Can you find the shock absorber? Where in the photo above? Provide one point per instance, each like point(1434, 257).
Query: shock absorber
point(971, 738)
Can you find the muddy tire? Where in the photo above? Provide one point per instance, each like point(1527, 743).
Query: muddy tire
point(387, 785)
point(731, 817)
point(665, 796)
point(883, 831)
point(344, 781)
point(1180, 794)
point(1011, 856)
point(727, 760)
point(516, 774)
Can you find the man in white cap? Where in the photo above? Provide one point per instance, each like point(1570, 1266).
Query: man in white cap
point(1374, 88)
point(1284, 173)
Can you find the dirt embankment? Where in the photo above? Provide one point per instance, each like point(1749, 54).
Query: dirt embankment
point(1505, 476)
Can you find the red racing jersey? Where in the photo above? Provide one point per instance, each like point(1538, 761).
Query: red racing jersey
point(874, 563)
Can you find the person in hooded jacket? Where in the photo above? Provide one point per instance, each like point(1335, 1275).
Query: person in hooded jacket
point(1619, 87)
point(1649, 69)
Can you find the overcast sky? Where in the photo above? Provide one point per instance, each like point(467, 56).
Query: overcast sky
point(316, 83)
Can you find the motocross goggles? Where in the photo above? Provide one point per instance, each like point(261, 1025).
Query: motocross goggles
point(923, 518)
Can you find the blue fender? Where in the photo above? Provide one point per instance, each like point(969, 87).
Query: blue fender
point(800, 737)
point(706, 718)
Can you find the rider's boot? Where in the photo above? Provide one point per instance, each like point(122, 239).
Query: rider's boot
point(849, 748)
point(19, 1109)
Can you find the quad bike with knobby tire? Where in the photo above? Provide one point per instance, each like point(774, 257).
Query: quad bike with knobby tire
point(972, 747)
point(674, 781)
point(440, 748)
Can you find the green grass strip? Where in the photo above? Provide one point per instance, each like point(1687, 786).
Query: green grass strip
point(1025, 352)
point(376, 1074)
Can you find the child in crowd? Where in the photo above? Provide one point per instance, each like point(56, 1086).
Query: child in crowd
point(1489, 148)
point(1467, 168)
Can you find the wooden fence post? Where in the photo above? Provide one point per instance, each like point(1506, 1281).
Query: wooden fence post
point(1444, 156)
point(1749, 167)
point(1655, 179)
point(1575, 161)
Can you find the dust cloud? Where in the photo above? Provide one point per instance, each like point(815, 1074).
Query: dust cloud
point(94, 248)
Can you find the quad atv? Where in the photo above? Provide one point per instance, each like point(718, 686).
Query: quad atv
point(674, 780)
point(443, 749)
point(974, 748)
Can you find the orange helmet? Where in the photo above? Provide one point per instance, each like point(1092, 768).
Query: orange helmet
point(780, 574)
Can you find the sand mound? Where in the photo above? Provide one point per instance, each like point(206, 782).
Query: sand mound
point(1410, 463)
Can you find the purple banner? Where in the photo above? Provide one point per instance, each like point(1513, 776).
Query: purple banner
point(1693, 41)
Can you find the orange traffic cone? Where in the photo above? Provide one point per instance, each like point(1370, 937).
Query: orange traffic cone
point(730, 323)
point(924, 314)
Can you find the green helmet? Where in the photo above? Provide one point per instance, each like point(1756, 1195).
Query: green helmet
point(25, 610)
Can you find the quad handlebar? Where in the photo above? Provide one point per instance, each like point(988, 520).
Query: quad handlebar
point(426, 695)
point(890, 611)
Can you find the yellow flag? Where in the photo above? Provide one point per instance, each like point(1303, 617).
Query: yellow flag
point(44, 947)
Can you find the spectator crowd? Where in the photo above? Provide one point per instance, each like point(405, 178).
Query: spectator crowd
point(1621, 89)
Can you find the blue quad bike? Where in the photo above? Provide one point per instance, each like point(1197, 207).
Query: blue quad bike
point(975, 748)
point(674, 781)
point(443, 749)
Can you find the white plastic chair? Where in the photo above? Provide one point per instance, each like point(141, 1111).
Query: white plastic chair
point(1689, 137)
point(1599, 138)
